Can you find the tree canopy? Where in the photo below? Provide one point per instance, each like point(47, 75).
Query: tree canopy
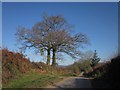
point(52, 34)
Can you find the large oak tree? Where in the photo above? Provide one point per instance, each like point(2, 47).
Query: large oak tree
point(52, 34)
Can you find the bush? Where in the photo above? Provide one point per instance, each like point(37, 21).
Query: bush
point(79, 67)
point(15, 63)
point(107, 74)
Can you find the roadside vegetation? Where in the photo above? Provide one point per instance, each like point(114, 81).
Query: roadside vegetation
point(20, 72)
point(32, 80)
point(106, 75)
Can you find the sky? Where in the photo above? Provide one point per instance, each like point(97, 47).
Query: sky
point(0, 24)
point(99, 21)
point(60, 0)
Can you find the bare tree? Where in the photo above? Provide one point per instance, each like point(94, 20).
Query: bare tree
point(34, 39)
point(55, 29)
point(52, 34)
point(86, 55)
point(68, 44)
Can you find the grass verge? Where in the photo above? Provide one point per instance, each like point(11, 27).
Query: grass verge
point(33, 80)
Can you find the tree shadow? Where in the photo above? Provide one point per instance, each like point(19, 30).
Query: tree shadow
point(78, 82)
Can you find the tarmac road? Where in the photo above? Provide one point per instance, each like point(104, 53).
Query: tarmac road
point(73, 82)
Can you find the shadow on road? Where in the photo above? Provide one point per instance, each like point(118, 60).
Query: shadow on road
point(82, 83)
point(74, 82)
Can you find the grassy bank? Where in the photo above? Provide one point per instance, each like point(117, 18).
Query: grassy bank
point(32, 80)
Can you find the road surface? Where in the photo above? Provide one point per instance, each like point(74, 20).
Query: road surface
point(73, 82)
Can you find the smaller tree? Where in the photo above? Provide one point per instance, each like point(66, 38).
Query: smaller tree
point(95, 59)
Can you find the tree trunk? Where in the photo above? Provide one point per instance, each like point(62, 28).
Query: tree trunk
point(54, 58)
point(48, 56)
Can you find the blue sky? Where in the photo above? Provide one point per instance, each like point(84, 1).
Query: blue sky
point(60, 1)
point(0, 24)
point(99, 21)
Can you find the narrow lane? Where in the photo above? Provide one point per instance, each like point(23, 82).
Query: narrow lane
point(73, 82)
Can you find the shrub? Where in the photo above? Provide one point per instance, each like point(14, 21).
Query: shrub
point(107, 74)
point(13, 63)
